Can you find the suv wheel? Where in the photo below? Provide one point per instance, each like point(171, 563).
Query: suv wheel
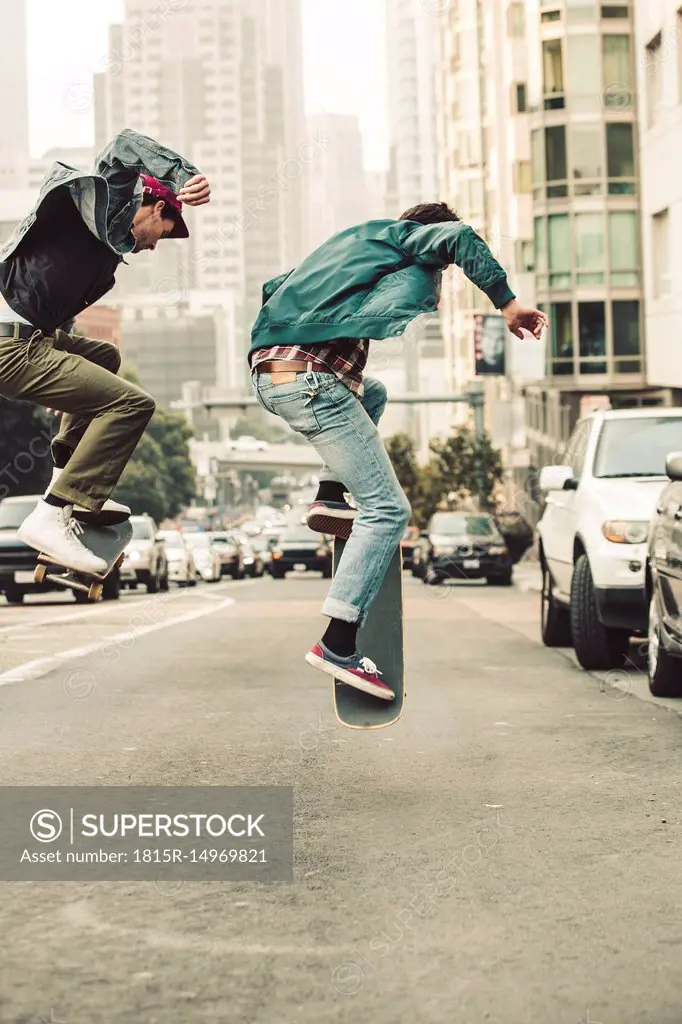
point(665, 672)
point(111, 591)
point(505, 580)
point(595, 645)
point(14, 595)
point(163, 583)
point(153, 582)
point(555, 621)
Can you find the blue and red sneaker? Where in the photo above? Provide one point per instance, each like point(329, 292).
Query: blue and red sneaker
point(332, 517)
point(356, 671)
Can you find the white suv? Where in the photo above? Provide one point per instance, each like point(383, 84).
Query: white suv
point(594, 530)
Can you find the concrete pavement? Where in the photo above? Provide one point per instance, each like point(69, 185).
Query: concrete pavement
point(507, 853)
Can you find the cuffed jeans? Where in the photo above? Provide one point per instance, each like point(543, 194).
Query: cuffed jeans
point(343, 430)
point(104, 416)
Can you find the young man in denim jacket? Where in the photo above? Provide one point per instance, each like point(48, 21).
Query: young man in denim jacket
point(62, 258)
point(308, 351)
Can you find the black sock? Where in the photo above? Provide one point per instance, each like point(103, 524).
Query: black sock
point(52, 499)
point(340, 637)
point(329, 490)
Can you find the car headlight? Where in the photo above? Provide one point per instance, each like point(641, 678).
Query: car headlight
point(625, 531)
point(134, 556)
point(321, 552)
point(497, 549)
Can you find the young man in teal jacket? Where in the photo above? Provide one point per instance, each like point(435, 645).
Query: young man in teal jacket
point(309, 347)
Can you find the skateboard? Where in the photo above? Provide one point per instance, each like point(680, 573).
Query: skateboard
point(381, 639)
point(108, 542)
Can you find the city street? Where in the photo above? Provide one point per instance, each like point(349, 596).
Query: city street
point(506, 853)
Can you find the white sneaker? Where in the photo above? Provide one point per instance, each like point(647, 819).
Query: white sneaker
point(109, 506)
point(54, 532)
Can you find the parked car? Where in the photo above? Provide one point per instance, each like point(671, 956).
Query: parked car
point(231, 555)
point(252, 550)
point(300, 549)
point(248, 444)
point(466, 546)
point(18, 561)
point(408, 544)
point(182, 568)
point(664, 587)
point(594, 531)
point(145, 561)
point(206, 555)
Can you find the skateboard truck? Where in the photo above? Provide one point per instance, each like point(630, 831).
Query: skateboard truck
point(91, 584)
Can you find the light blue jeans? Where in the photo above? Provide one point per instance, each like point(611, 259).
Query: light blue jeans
point(343, 430)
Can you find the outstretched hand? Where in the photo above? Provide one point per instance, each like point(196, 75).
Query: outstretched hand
point(195, 192)
point(519, 319)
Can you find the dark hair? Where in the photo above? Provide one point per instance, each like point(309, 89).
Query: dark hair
point(168, 212)
point(430, 213)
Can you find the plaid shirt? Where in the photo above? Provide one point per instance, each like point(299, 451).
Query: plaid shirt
point(344, 357)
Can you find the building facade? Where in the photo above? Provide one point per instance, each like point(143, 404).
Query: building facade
point(14, 143)
point(658, 61)
point(338, 195)
point(586, 206)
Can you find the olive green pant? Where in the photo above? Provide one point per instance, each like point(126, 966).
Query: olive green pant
point(104, 416)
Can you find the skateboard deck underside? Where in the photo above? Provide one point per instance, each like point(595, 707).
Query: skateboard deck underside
point(107, 542)
point(381, 639)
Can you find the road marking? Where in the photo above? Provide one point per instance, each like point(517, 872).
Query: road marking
point(43, 666)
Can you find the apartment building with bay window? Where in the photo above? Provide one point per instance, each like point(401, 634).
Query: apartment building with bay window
point(582, 94)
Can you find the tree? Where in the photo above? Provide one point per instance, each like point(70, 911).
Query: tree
point(25, 461)
point(171, 432)
point(402, 454)
point(255, 422)
point(143, 484)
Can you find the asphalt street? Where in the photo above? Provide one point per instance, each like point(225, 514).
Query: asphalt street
point(508, 852)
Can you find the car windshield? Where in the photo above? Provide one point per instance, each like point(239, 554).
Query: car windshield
point(141, 529)
point(172, 539)
point(637, 446)
point(458, 524)
point(13, 513)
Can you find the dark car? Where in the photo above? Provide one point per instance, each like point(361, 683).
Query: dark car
point(300, 549)
point(18, 561)
point(466, 546)
point(408, 544)
point(664, 587)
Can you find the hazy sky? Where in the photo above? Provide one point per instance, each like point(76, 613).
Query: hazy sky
point(345, 67)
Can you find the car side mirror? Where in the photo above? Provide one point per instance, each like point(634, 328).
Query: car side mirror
point(557, 478)
point(673, 466)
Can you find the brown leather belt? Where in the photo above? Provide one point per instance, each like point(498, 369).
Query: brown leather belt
point(283, 370)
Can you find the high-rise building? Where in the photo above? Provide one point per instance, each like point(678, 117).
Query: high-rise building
point(586, 197)
point(14, 146)
point(220, 82)
point(484, 163)
point(658, 59)
point(337, 184)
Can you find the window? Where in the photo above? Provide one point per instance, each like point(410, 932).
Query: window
point(587, 160)
point(537, 156)
point(561, 329)
point(620, 151)
point(555, 157)
point(540, 244)
point(617, 92)
point(590, 247)
point(553, 67)
point(592, 332)
point(617, 11)
point(559, 230)
point(522, 177)
point(623, 248)
point(582, 61)
point(525, 256)
point(520, 98)
point(653, 74)
point(516, 20)
point(660, 242)
point(550, 16)
point(626, 334)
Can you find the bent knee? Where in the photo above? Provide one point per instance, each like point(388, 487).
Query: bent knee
point(113, 359)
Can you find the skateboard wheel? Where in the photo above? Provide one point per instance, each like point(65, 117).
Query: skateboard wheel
point(95, 591)
point(39, 573)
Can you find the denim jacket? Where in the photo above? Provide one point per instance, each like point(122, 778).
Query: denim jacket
point(109, 197)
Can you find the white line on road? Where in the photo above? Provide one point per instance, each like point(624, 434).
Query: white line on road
point(43, 666)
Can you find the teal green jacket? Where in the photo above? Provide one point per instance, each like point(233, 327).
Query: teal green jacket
point(371, 280)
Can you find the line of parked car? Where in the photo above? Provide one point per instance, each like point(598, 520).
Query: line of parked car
point(610, 543)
